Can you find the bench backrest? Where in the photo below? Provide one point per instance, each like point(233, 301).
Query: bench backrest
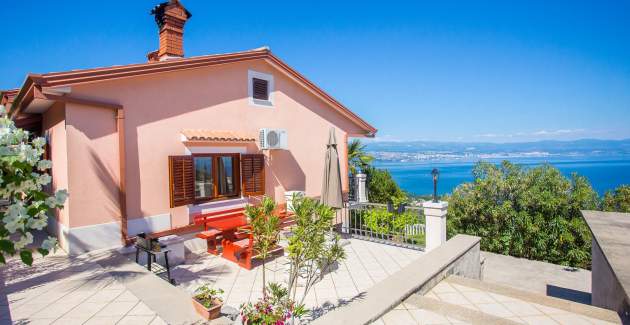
point(203, 218)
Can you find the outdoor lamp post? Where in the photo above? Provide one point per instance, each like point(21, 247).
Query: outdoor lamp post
point(436, 175)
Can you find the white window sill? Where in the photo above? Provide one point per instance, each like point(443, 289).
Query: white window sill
point(260, 103)
point(216, 206)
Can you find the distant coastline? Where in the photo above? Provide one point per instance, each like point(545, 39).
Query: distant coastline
point(472, 151)
point(606, 163)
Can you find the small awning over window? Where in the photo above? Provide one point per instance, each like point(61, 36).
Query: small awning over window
point(218, 136)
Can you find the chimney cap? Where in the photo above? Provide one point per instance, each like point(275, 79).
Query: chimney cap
point(159, 10)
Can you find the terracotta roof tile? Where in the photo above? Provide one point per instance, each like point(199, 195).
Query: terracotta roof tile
point(218, 136)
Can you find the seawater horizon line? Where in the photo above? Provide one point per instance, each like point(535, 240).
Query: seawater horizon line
point(519, 141)
point(415, 178)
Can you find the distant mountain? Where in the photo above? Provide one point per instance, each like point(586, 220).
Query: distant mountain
point(422, 150)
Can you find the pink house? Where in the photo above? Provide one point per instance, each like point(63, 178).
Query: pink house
point(144, 147)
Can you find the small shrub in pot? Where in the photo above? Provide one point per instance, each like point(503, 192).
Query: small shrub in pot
point(208, 301)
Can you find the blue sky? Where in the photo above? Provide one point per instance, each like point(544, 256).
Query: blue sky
point(497, 71)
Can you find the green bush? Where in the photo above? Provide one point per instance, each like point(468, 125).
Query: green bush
point(377, 220)
point(525, 212)
point(617, 200)
point(389, 224)
point(382, 188)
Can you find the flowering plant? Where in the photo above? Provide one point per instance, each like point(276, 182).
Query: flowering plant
point(24, 205)
point(275, 308)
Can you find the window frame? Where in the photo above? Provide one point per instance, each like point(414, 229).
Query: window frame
point(236, 175)
point(251, 74)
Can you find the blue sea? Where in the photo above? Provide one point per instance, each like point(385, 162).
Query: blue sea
point(604, 173)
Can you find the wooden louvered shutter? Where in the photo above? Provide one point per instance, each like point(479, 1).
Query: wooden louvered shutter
point(253, 174)
point(181, 180)
point(260, 88)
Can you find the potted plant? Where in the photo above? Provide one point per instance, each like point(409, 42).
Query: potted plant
point(208, 301)
point(274, 308)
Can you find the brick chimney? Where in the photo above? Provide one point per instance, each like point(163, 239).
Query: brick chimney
point(170, 17)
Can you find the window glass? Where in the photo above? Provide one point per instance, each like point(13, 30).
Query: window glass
point(203, 177)
point(225, 172)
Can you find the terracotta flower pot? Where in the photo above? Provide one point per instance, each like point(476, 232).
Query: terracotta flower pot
point(208, 313)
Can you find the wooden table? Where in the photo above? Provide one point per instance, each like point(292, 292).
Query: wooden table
point(228, 225)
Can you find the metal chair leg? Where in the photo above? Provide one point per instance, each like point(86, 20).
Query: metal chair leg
point(168, 268)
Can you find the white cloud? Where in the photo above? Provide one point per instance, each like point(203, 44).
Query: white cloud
point(391, 138)
point(536, 134)
point(557, 132)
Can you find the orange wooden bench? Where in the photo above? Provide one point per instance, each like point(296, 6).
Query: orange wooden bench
point(241, 250)
point(211, 235)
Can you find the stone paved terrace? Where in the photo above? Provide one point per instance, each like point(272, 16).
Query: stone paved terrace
point(62, 290)
point(366, 264)
point(464, 301)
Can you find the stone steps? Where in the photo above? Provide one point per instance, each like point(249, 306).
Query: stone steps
point(458, 300)
point(456, 312)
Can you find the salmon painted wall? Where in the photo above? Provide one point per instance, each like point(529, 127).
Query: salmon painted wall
point(53, 123)
point(158, 107)
point(93, 164)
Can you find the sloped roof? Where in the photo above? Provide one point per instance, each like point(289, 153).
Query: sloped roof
point(76, 77)
point(7, 96)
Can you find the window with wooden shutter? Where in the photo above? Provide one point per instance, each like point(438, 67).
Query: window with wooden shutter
point(260, 89)
point(253, 174)
point(181, 180)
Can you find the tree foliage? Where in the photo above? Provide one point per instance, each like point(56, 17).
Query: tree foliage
point(358, 159)
point(265, 227)
point(382, 188)
point(25, 203)
point(525, 212)
point(617, 200)
point(313, 248)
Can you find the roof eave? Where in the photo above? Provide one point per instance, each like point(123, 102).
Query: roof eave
point(111, 73)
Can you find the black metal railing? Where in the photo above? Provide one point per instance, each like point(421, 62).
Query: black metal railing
point(352, 188)
point(377, 222)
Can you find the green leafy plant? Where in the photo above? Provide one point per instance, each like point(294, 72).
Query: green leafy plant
point(378, 220)
point(395, 225)
point(382, 188)
point(525, 212)
point(617, 200)
point(313, 246)
point(358, 159)
point(274, 309)
point(207, 296)
point(265, 227)
point(25, 202)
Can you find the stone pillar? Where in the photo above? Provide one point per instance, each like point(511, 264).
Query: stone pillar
point(360, 183)
point(435, 216)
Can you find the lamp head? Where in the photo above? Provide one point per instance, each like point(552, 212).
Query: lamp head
point(436, 174)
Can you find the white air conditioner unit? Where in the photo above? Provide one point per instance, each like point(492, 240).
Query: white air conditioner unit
point(273, 139)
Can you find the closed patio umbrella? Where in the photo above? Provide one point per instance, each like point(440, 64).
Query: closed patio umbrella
point(331, 187)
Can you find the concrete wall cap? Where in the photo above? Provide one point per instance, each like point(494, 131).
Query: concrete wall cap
point(435, 205)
